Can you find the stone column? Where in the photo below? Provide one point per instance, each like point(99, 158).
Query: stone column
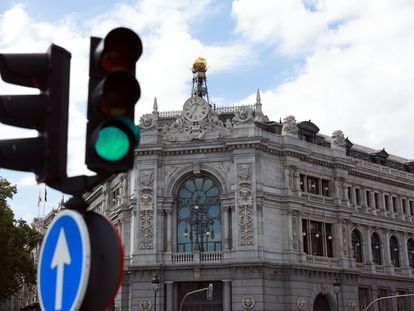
point(404, 255)
point(368, 249)
point(226, 227)
point(169, 230)
point(169, 298)
point(226, 295)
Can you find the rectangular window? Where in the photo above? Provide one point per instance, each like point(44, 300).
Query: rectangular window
point(386, 202)
point(376, 199)
point(394, 204)
point(363, 297)
point(382, 304)
point(350, 194)
point(403, 302)
point(368, 197)
point(317, 238)
point(325, 187)
point(313, 185)
point(357, 196)
point(404, 206)
point(411, 208)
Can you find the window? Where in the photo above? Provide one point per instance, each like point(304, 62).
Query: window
point(350, 194)
point(404, 206)
point(368, 197)
point(198, 216)
point(363, 297)
point(376, 200)
point(357, 245)
point(403, 302)
point(317, 238)
point(314, 185)
point(394, 204)
point(386, 202)
point(357, 196)
point(410, 250)
point(394, 251)
point(382, 304)
point(411, 208)
point(376, 248)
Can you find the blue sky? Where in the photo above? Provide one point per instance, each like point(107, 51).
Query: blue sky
point(344, 64)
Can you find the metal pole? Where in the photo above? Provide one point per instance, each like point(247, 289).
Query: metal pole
point(386, 297)
point(155, 300)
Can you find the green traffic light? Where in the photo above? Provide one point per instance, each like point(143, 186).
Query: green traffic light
point(112, 143)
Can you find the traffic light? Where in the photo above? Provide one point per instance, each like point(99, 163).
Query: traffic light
point(112, 135)
point(210, 292)
point(47, 112)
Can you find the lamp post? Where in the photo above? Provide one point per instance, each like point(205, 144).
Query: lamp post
point(337, 287)
point(155, 286)
point(201, 225)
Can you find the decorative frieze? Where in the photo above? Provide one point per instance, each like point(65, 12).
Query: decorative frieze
point(245, 205)
point(146, 229)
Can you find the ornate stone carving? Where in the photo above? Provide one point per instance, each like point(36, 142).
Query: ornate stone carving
point(289, 127)
point(146, 230)
point(147, 121)
point(147, 178)
point(295, 242)
point(301, 303)
point(146, 212)
point(242, 115)
point(248, 302)
point(246, 224)
point(352, 306)
point(145, 304)
point(245, 206)
point(183, 129)
point(338, 139)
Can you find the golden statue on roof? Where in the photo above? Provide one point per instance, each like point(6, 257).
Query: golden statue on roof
point(200, 64)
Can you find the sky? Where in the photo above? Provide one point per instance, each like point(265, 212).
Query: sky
point(344, 64)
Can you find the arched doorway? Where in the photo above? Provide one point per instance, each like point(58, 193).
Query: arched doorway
point(321, 304)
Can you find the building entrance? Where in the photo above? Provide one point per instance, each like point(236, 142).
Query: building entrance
point(198, 301)
point(321, 304)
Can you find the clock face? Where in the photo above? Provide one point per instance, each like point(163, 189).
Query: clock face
point(195, 108)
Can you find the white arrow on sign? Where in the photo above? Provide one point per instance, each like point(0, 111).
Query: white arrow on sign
point(60, 258)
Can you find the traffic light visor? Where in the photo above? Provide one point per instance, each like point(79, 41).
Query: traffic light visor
point(120, 50)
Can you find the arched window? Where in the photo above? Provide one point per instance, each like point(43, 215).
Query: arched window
point(198, 216)
point(376, 248)
point(394, 251)
point(357, 245)
point(410, 249)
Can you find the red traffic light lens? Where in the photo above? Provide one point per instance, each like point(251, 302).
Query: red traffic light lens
point(119, 92)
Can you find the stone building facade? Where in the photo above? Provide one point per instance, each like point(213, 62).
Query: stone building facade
point(271, 213)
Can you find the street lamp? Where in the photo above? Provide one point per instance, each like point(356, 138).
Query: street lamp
point(337, 287)
point(201, 225)
point(155, 286)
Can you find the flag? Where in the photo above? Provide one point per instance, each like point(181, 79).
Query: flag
point(39, 199)
point(45, 194)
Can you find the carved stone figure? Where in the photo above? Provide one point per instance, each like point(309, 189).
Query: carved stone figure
point(289, 126)
point(147, 121)
point(338, 139)
point(301, 303)
point(242, 115)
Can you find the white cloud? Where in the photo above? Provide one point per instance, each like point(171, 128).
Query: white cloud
point(357, 77)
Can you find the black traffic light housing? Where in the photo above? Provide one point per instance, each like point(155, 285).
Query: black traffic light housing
point(45, 155)
point(113, 91)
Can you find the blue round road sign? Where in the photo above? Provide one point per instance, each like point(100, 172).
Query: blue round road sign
point(64, 263)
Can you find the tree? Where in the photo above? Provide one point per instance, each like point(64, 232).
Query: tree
point(17, 241)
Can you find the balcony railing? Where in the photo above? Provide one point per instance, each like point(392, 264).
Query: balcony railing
point(197, 257)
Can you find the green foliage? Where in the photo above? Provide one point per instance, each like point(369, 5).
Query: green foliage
point(17, 241)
